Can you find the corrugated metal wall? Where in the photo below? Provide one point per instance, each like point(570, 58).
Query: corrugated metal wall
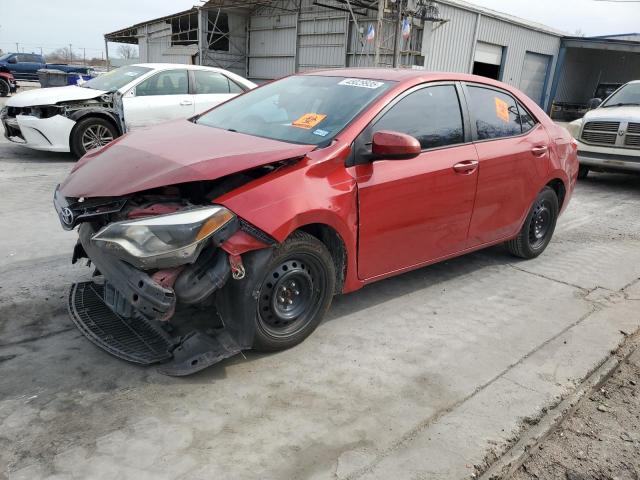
point(272, 45)
point(322, 40)
point(585, 68)
point(450, 46)
point(518, 41)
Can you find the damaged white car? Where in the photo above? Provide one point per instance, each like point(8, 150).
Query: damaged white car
point(80, 118)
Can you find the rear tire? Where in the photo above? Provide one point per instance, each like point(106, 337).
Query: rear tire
point(90, 133)
point(538, 227)
point(4, 88)
point(583, 171)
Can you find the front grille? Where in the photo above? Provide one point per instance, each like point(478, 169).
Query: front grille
point(603, 126)
point(632, 140)
point(634, 128)
point(599, 137)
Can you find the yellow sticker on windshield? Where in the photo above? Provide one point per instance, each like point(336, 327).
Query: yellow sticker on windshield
point(308, 120)
point(502, 110)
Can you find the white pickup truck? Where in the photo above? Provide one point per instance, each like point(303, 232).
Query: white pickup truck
point(609, 135)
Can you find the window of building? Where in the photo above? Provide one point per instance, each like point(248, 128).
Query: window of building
point(218, 31)
point(184, 29)
point(496, 114)
point(432, 115)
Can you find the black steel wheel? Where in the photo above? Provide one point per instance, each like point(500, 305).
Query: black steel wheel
point(295, 292)
point(538, 228)
point(4, 88)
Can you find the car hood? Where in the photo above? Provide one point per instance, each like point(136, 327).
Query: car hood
point(52, 95)
point(626, 114)
point(171, 153)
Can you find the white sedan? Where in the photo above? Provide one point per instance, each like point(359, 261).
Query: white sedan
point(80, 118)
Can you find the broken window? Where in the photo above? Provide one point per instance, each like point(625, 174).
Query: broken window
point(184, 29)
point(218, 31)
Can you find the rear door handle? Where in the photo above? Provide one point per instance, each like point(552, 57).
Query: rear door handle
point(540, 151)
point(186, 102)
point(467, 167)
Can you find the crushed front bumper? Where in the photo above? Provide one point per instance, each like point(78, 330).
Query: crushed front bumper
point(124, 311)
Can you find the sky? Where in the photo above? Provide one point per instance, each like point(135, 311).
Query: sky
point(47, 24)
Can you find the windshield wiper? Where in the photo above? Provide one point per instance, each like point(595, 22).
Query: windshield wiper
point(621, 104)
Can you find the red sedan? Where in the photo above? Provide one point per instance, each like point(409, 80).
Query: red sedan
point(234, 229)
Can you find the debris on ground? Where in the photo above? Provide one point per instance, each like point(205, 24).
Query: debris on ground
point(601, 440)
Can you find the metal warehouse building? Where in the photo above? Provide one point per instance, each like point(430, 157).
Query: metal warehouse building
point(263, 40)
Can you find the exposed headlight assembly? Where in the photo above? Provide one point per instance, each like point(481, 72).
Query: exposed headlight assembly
point(166, 240)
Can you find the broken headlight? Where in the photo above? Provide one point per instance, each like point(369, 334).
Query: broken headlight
point(166, 240)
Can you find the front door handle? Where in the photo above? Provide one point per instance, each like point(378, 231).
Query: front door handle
point(186, 102)
point(467, 167)
point(540, 151)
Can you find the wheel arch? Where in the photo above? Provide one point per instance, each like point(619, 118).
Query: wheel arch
point(560, 189)
point(336, 247)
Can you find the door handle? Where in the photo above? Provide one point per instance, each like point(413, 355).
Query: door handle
point(186, 102)
point(467, 167)
point(540, 151)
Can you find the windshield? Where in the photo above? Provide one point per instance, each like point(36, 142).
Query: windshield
point(301, 109)
point(5, 57)
point(115, 79)
point(627, 95)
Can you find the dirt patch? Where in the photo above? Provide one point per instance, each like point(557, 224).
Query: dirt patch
point(601, 440)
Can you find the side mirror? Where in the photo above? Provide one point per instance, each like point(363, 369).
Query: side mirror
point(387, 145)
point(594, 103)
point(12, 60)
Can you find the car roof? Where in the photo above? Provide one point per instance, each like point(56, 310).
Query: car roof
point(406, 75)
point(165, 66)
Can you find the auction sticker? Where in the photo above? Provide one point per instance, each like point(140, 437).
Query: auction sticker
point(308, 120)
point(361, 83)
point(502, 110)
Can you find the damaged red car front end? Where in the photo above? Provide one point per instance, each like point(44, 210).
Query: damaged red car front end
point(149, 223)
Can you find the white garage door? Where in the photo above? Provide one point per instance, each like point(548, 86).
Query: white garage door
point(488, 53)
point(534, 76)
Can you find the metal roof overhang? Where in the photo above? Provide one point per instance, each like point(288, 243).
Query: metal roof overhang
point(130, 34)
point(601, 44)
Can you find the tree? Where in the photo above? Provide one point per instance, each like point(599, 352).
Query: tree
point(127, 51)
point(63, 54)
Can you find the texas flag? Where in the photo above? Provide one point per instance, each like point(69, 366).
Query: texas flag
point(371, 33)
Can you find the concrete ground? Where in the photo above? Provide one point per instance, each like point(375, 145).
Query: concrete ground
point(427, 375)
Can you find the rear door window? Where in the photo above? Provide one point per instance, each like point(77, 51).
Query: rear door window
point(495, 114)
point(211, 82)
point(432, 115)
point(170, 82)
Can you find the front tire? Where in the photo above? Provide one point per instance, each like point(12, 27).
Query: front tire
point(538, 228)
point(583, 171)
point(295, 293)
point(284, 295)
point(90, 133)
point(4, 88)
